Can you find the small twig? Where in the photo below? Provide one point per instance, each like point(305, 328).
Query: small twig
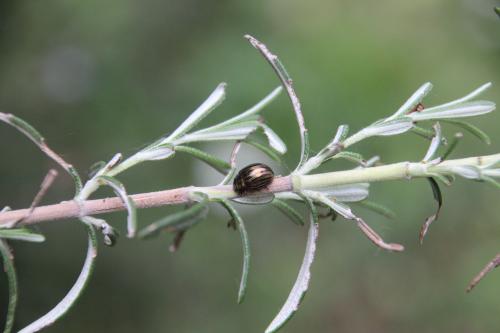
point(287, 82)
point(44, 187)
point(488, 268)
point(232, 162)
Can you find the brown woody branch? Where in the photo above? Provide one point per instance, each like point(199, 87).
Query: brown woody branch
point(71, 209)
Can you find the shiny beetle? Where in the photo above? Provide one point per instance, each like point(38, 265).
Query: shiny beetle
point(253, 178)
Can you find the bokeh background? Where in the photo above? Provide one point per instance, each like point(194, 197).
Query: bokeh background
point(98, 78)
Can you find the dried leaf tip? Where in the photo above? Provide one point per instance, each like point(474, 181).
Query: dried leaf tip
point(439, 199)
point(488, 268)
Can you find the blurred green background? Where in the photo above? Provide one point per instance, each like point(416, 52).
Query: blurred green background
point(99, 77)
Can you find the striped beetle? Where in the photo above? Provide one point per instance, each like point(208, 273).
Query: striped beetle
point(253, 178)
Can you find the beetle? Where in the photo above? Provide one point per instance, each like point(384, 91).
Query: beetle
point(253, 178)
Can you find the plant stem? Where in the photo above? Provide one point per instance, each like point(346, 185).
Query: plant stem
point(396, 171)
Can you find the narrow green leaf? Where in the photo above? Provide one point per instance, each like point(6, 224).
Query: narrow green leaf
point(302, 283)
point(289, 211)
point(287, 82)
point(38, 139)
point(453, 144)
point(76, 178)
point(177, 221)
point(475, 131)
point(280, 68)
point(75, 292)
point(215, 162)
point(23, 127)
point(378, 208)
point(265, 149)
point(214, 100)
point(497, 10)
point(423, 132)
point(120, 191)
point(350, 156)
point(10, 270)
point(22, 234)
point(491, 181)
point(246, 247)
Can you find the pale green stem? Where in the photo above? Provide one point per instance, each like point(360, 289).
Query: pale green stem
point(403, 170)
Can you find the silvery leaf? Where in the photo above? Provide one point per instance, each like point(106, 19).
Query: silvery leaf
point(214, 100)
point(257, 199)
point(467, 109)
point(121, 192)
point(155, 153)
point(470, 96)
point(250, 113)
point(346, 193)
point(491, 172)
point(274, 140)
point(228, 133)
point(302, 282)
point(240, 225)
point(416, 98)
point(466, 171)
point(340, 208)
point(435, 143)
point(75, 292)
point(392, 127)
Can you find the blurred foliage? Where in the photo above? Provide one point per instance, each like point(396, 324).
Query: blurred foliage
point(101, 77)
